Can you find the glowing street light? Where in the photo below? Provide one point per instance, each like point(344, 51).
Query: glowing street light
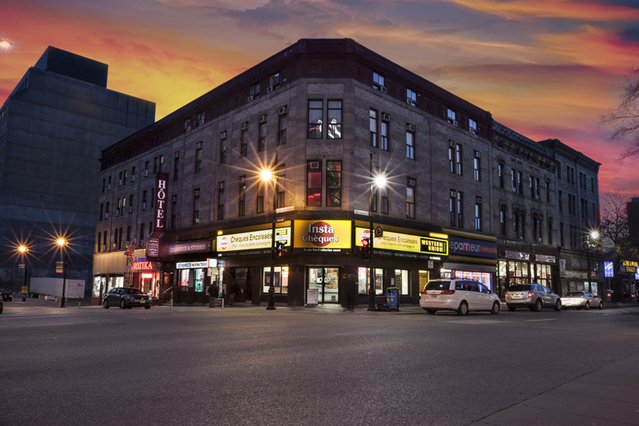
point(63, 243)
point(379, 180)
point(5, 44)
point(24, 251)
point(268, 175)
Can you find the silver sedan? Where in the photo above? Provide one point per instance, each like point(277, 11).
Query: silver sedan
point(581, 299)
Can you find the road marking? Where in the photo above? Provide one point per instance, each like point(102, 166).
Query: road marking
point(478, 322)
point(546, 319)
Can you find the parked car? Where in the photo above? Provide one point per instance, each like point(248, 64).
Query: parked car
point(581, 299)
point(532, 296)
point(1, 305)
point(458, 295)
point(6, 295)
point(127, 298)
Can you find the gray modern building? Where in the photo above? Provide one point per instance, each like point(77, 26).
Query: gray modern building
point(53, 128)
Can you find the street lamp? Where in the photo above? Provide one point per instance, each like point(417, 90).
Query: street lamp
point(5, 44)
point(269, 175)
point(24, 250)
point(63, 243)
point(593, 235)
point(378, 180)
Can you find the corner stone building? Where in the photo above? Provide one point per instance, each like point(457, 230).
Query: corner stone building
point(53, 127)
point(326, 114)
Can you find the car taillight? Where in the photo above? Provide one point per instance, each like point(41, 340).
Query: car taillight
point(448, 292)
point(424, 292)
point(531, 294)
point(506, 296)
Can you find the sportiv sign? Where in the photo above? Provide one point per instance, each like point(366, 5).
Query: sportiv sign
point(252, 240)
point(323, 234)
point(405, 242)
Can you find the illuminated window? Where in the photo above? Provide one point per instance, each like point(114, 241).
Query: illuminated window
point(378, 81)
point(334, 120)
point(333, 183)
point(314, 183)
point(315, 119)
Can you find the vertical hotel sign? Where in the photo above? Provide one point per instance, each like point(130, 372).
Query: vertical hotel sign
point(159, 215)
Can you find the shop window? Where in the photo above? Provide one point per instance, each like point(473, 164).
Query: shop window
point(363, 283)
point(424, 277)
point(315, 119)
point(314, 183)
point(334, 119)
point(333, 183)
point(401, 281)
point(280, 279)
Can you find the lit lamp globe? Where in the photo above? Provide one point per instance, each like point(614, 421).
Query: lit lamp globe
point(5, 44)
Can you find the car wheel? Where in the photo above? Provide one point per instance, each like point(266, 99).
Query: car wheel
point(587, 306)
point(600, 305)
point(558, 305)
point(512, 308)
point(105, 304)
point(495, 309)
point(538, 305)
point(122, 304)
point(147, 307)
point(463, 309)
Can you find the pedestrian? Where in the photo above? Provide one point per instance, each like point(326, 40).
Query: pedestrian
point(351, 292)
point(213, 291)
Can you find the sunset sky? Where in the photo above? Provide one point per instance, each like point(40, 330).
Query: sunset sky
point(545, 68)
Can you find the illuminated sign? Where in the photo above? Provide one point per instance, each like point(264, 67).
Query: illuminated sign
point(545, 258)
point(608, 270)
point(516, 255)
point(192, 247)
point(323, 234)
point(470, 247)
point(143, 266)
point(404, 242)
point(252, 240)
point(190, 265)
point(630, 266)
point(160, 201)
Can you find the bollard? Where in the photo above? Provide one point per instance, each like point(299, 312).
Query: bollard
point(79, 302)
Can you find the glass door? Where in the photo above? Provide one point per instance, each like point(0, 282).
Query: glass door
point(326, 281)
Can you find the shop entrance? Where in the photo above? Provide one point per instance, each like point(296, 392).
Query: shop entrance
point(326, 281)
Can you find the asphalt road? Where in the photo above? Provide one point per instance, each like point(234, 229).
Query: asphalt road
point(304, 366)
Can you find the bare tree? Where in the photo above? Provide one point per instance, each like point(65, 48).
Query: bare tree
point(625, 118)
point(614, 217)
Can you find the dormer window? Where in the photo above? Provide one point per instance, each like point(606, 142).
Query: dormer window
point(411, 97)
point(452, 117)
point(472, 126)
point(379, 82)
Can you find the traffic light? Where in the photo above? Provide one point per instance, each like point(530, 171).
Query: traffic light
point(279, 249)
point(365, 249)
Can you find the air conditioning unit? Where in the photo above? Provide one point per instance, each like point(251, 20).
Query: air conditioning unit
point(120, 182)
point(130, 209)
point(187, 129)
point(261, 118)
point(411, 127)
point(177, 154)
point(314, 165)
point(453, 193)
point(386, 117)
point(451, 144)
point(220, 185)
point(477, 154)
point(132, 178)
point(269, 89)
point(143, 206)
point(196, 192)
point(409, 101)
point(198, 145)
point(145, 173)
point(537, 196)
point(283, 110)
point(384, 89)
point(473, 130)
point(478, 200)
point(250, 99)
point(245, 125)
point(106, 215)
point(200, 121)
point(411, 182)
point(223, 135)
point(455, 122)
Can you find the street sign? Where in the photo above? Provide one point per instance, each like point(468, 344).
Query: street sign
point(608, 270)
point(59, 266)
point(21, 266)
point(379, 231)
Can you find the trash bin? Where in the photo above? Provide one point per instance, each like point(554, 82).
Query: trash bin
point(392, 298)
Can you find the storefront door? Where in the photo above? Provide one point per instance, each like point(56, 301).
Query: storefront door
point(326, 281)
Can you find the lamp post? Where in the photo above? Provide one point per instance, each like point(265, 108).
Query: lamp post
point(592, 235)
point(269, 174)
point(24, 250)
point(63, 243)
point(379, 180)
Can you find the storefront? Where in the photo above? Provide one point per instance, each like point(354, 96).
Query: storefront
point(472, 257)
point(523, 263)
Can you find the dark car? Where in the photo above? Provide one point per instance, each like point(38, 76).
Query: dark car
point(1, 305)
point(6, 295)
point(127, 298)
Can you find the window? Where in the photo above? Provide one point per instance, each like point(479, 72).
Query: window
point(411, 97)
point(384, 134)
point(196, 207)
point(104, 238)
point(502, 220)
point(126, 172)
point(220, 201)
point(198, 159)
point(144, 197)
point(160, 162)
point(592, 185)
point(133, 173)
point(451, 158)
point(244, 142)
point(513, 179)
point(520, 182)
point(536, 182)
point(384, 201)
point(283, 123)
point(334, 119)
point(315, 110)
point(472, 126)
point(313, 183)
point(410, 198)
point(401, 280)
point(281, 199)
point(460, 209)
point(99, 246)
point(241, 197)
point(128, 235)
point(103, 184)
point(130, 202)
point(373, 127)
point(584, 208)
point(120, 179)
point(101, 210)
point(378, 81)
point(451, 116)
point(477, 167)
point(547, 185)
point(410, 145)
point(458, 159)
point(142, 235)
point(223, 148)
point(274, 80)
point(451, 206)
point(333, 183)
point(478, 214)
point(560, 201)
point(532, 187)
point(261, 144)
point(537, 227)
point(176, 166)
point(515, 223)
point(146, 167)
point(200, 119)
point(550, 230)
point(254, 91)
point(174, 212)
point(500, 174)
point(259, 199)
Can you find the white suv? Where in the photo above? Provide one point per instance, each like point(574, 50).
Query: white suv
point(458, 295)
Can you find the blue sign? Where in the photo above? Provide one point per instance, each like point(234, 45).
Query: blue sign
point(608, 270)
point(470, 247)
